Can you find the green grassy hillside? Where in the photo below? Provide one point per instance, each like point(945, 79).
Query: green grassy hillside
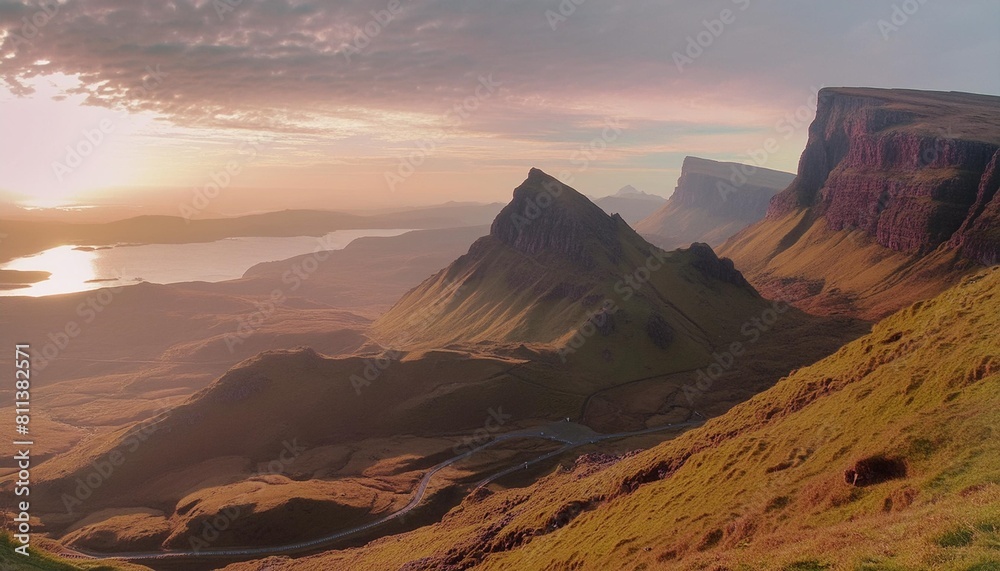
point(799, 258)
point(579, 283)
point(767, 485)
point(40, 560)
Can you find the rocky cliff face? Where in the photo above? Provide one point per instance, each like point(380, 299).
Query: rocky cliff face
point(548, 216)
point(714, 267)
point(712, 201)
point(725, 189)
point(911, 169)
point(979, 236)
point(557, 270)
point(896, 198)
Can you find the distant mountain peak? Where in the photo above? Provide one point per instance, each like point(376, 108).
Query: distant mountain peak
point(629, 191)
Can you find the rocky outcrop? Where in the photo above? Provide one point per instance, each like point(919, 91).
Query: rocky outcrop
point(714, 267)
point(902, 166)
point(979, 236)
point(712, 201)
point(559, 272)
point(548, 216)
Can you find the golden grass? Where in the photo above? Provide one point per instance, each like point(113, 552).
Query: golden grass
point(843, 272)
point(44, 560)
point(762, 487)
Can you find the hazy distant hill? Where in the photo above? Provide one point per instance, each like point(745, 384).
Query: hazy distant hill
point(26, 237)
point(713, 200)
point(631, 204)
point(368, 276)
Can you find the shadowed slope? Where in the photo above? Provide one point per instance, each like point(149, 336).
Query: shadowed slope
point(770, 484)
point(558, 272)
point(713, 200)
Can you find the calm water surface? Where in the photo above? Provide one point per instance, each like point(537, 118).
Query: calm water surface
point(76, 268)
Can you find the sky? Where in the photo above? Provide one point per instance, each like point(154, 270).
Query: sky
point(259, 105)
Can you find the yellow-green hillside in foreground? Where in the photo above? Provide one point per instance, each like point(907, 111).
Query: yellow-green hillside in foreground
point(763, 486)
point(39, 560)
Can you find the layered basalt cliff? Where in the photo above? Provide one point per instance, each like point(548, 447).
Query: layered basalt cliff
point(979, 236)
point(731, 190)
point(712, 201)
point(901, 183)
point(908, 168)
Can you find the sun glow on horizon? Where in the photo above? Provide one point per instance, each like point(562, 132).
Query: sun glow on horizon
point(47, 202)
point(70, 270)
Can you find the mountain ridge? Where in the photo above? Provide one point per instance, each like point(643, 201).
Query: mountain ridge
point(712, 201)
point(553, 257)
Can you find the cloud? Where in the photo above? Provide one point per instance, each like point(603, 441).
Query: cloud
point(390, 70)
point(246, 58)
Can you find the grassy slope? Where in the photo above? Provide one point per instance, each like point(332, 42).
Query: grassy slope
point(529, 304)
point(40, 560)
point(762, 487)
point(258, 405)
point(822, 266)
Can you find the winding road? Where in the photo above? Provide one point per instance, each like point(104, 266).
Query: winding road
point(572, 435)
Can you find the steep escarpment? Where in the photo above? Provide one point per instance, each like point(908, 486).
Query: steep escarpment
point(979, 236)
point(898, 166)
point(901, 182)
point(713, 200)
